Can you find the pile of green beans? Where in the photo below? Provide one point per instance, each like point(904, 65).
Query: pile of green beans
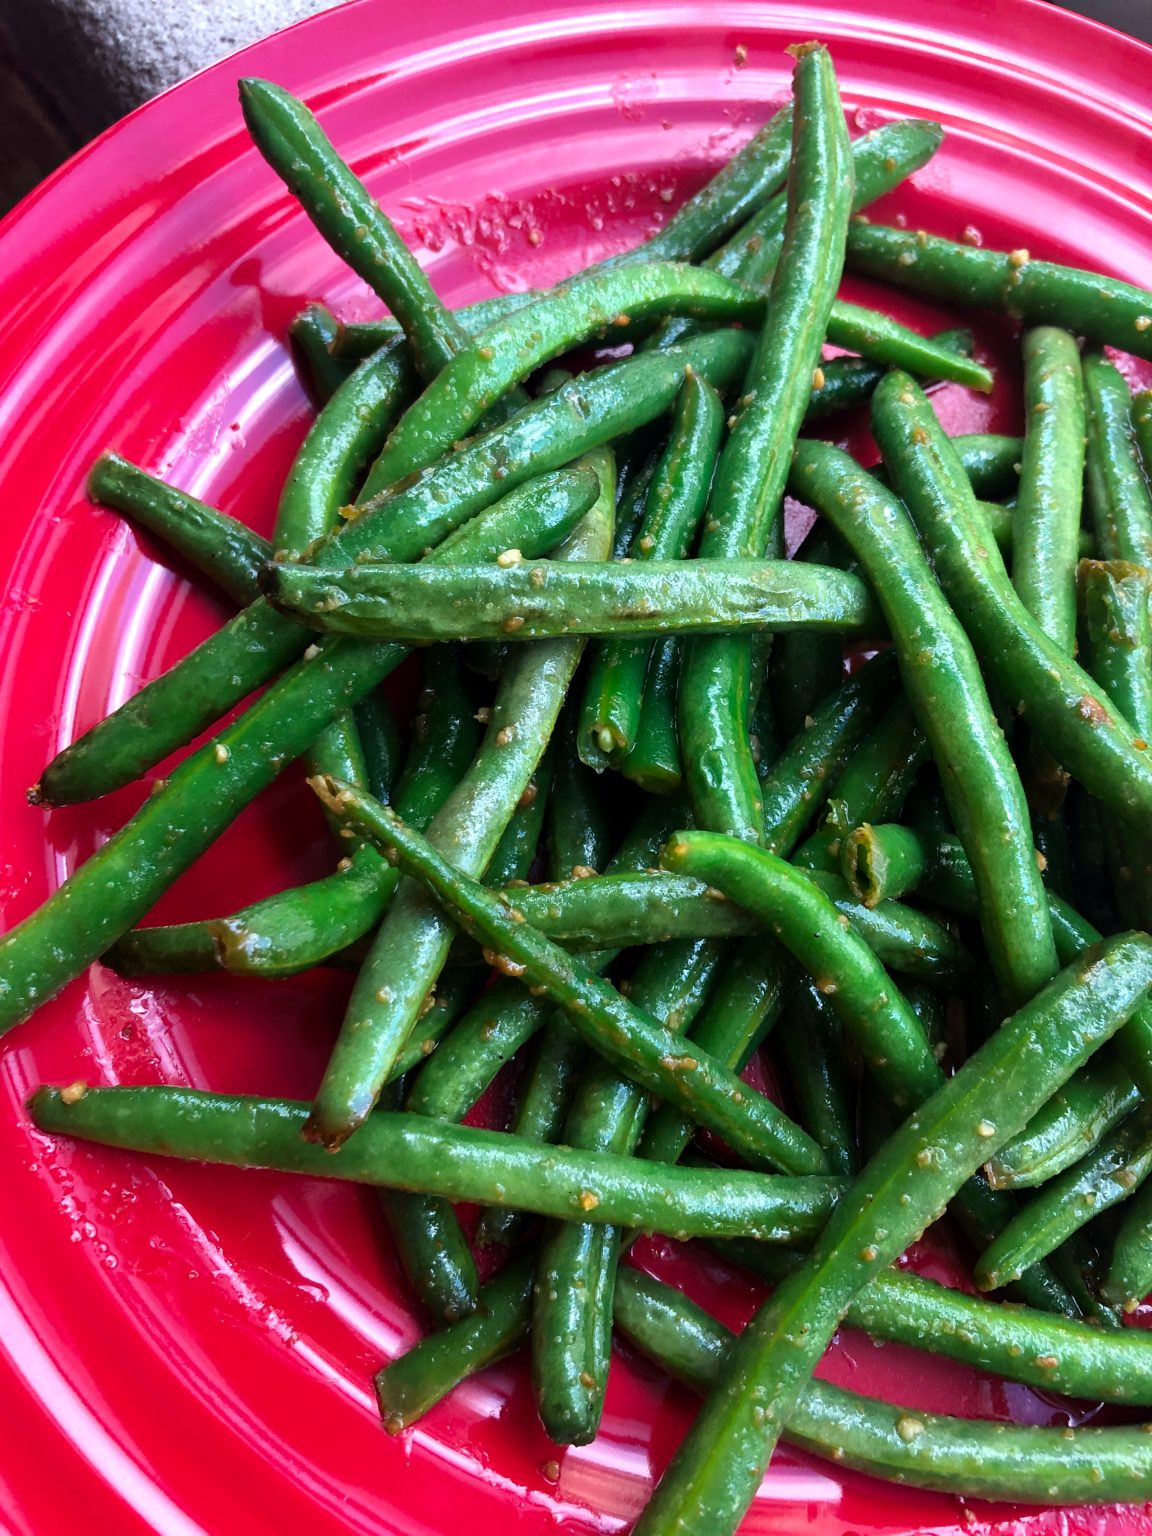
point(654, 818)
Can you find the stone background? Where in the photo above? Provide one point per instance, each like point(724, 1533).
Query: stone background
point(69, 68)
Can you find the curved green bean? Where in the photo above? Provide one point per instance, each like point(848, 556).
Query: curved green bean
point(943, 682)
point(1070, 1125)
point(1037, 292)
point(1129, 1277)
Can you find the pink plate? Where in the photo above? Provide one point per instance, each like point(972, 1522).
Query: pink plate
point(189, 1350)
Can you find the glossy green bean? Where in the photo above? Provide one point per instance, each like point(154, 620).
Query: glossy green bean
point(1121, 505)
point(1037, 292)
point(400, 1151)
point(576, 1273)
point(1117, 634)
point(627, 1038)
point(1046, 520)
point(811, 1043)
point(314, 332)
point(719, 1465)
point(614, 687)
point(543, 600)
point(980, 781)
point(881, 863)
point(753, 466)
point(1069, 1126)
point(220, 547)
point(880, 339)
point(1129, 1277)
point(1109, 1173)
point(412, 943)
point(966, 1457)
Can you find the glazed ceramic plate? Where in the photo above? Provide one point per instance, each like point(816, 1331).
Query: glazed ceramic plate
point(185, 1349)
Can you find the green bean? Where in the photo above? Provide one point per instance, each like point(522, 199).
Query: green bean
point(576, 1274)
point(472, 382)
point(1129, 1277)
point(654, 759)
point(380, 740)
point(1053, 1354)
point(880, 339)
point(1122, 506)
point(1142, 426)
point(1046, 522)
point(412, 943)
point(1063, 707)
point(314, 331)
point(542, 600)
point(1037, 292)
point(254, 646)
point(811, 1041)
point(627, 1038)
point(407, 1387)
point(429, 1244)
point(881, 862)
point(220, 547)
point(116, 887)
point(1107, 1175)
point(719, 1465)
point(398, 1151)
point(795, 786)
point(967, 1457)
point(753, 465)
point(975, 765)
point(1070, 1125)
point(614, 688)
point(943, 683)
point(350, 220)
point(578, 828)
point(744, 1006)
point(455, 990)
point(805, 666)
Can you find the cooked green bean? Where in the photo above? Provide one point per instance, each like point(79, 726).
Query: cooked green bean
point(1108, 1174)
point(753, 466)
point(1046, 521)
point(719, 1465)
point(542, 600)
point(1069, 1126)
point(223, 549)
point(678, 493)
point(877, 337)
point(881, 862)
point(413, 941)
point(258, 643)
point(1121, 505)
point(627, 1038)
point(943, 682)
point(314, 332)
point(1129, 1277)
point(398, 1151)
point(805, 667)
point(1037, 292)
point(1011, 1462)
point(576, 1273)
